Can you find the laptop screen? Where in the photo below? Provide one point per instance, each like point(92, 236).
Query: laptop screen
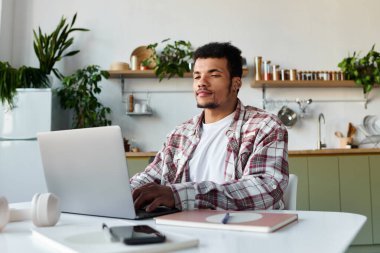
point(87, 169)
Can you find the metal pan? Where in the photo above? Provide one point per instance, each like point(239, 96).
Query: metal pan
point(287, 116)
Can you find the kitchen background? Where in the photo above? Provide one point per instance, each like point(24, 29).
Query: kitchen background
point(300, 34)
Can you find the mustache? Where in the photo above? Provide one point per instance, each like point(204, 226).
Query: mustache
point(202, 90)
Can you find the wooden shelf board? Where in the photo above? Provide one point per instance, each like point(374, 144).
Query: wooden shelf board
point(140, 154)
point(305, 84)
point(139, 113)
point(146, 73)
point(136, 74)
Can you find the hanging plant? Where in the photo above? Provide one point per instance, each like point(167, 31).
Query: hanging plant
point(365, 71)
point(23, 77)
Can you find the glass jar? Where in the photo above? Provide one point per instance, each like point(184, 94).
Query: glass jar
point(258, 68)
point(267, 71)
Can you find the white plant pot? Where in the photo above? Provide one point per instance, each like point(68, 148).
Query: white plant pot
point(32, 114)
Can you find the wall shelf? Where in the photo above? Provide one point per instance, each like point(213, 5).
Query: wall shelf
point(137, 74)
point(305, 84)
point(139, 113)
point(146, 73)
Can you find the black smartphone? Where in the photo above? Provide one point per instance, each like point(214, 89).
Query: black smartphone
point(139, 234)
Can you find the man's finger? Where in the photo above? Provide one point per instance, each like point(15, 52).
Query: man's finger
point(155, 203)
point(145, 197)
point(137, 192)
point(153, 195)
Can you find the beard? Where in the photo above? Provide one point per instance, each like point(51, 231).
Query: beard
point(210, 105)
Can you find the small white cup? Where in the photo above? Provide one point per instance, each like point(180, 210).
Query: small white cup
point(137, 108)
point(144, 108)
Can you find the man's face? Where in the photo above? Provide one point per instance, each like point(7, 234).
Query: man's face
point(212, 83)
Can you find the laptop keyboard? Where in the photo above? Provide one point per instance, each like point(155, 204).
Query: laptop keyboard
point(161, 210)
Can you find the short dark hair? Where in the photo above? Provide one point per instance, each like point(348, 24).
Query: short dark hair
point(222, 50)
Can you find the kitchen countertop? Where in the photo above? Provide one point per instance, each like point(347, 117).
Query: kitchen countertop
point(335, 151)
point(141, 154)
point(292, 153)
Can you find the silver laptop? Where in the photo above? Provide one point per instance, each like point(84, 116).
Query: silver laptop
point(87, 169)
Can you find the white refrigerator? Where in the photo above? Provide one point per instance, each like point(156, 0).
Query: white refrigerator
point(21, 172)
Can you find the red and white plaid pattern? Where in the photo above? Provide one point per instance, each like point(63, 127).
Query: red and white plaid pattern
point(256, 166)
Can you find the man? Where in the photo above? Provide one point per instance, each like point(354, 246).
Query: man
point(229, 157)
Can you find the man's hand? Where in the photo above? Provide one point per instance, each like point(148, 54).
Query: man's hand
point(153, 195)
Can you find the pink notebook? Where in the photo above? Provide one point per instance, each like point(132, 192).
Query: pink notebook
point(237, 220)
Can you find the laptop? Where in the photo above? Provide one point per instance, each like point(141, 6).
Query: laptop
point(87, 169)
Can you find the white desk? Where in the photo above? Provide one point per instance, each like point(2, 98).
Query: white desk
point(314, 232)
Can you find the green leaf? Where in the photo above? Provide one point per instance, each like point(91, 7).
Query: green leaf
point(367, 88)
point(173, 59)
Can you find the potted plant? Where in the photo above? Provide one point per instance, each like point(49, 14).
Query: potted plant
point(365, 71)
point(49, 49)
point(173, 60)
point(78, 93)
point(24, 77)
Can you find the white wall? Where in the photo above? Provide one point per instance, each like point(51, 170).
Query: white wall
point(302, 34)
point(6, 25)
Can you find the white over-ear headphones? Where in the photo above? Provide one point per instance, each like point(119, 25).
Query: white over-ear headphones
point(44, 212)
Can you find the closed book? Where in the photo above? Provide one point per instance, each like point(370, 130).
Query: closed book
point(89, 238)
point(235, 220)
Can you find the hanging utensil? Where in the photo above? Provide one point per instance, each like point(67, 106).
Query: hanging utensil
point(302, 105)
point(287, 116)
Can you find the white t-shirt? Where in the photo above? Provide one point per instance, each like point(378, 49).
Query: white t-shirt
point(207, 163)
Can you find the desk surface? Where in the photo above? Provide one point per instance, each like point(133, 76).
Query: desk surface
point(314, 232)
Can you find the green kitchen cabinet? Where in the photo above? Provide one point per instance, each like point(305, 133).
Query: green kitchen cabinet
point(355, 192)
point(342, 183)
point(298, 166)
point(324, 183)
point(136, 165)
point(374, 164)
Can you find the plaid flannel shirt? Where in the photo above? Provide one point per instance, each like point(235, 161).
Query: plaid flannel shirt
point(256, 167)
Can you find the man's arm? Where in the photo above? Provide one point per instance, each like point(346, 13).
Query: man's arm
point(147, 190)
point(265, 177)
point(152, 173)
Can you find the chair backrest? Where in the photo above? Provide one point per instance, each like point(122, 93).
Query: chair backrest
point(290, 194)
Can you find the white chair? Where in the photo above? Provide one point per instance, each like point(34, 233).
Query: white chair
point(290, 194)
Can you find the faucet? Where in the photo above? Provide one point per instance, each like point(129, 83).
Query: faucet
point(320, 145)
